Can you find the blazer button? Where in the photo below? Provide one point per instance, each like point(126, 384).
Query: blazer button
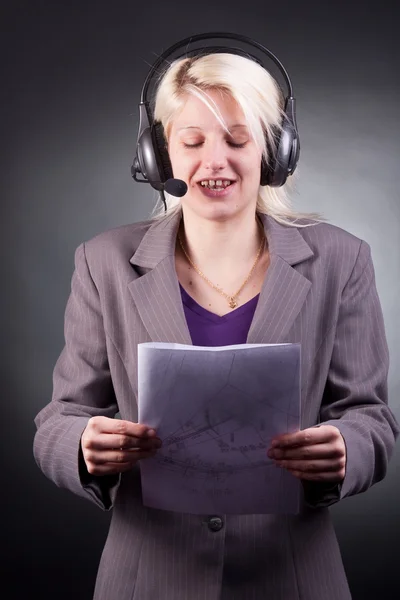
point(215, 523)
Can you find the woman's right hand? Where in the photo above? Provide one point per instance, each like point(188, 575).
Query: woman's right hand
point(112, 446)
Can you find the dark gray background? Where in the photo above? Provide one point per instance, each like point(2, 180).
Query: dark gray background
point(72, 76)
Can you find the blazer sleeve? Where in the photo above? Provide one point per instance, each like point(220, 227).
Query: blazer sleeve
point(82, 388)
point(356, 396)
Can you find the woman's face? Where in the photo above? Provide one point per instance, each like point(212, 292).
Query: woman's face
point(222, 170)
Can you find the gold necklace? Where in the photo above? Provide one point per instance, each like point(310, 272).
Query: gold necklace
point(232, 299)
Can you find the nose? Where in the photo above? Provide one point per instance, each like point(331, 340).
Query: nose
point(214, 156)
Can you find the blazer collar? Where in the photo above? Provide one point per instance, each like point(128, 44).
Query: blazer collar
point(159, 242)
point(157, 295)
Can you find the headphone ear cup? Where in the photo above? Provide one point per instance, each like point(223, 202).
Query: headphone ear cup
point(146, 162)
point(284, 159)
point(161, 152)
point(267, 169)
point(264, 179)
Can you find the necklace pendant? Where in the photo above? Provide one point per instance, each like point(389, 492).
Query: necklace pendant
point(232, 303)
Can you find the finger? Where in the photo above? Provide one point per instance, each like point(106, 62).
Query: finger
point(305, 437)
point(107, 441)
point(137, 455)
point(315, 466)
point(322, 477)
point(315, 451)
point(121, 427)
point(111, 467)
point(116, 456)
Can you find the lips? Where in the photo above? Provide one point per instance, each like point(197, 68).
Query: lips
point(212, 193)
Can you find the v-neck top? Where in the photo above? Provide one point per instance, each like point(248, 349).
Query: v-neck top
point(208, 329)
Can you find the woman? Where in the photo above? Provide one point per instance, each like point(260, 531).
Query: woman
point(229, 263)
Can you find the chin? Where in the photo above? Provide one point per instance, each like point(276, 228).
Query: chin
point(214, 209)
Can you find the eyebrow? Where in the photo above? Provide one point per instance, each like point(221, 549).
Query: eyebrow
point(236, 126)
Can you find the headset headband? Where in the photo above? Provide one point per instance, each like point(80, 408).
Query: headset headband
point(218, 35)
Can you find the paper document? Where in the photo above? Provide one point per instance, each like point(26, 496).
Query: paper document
point(216, 410)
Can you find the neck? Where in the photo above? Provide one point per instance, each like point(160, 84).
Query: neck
point(221, 245)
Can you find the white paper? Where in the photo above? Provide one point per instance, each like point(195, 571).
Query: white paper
point(216, 410)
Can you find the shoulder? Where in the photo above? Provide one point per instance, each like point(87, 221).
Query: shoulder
point(334, 244)
point(123, 239)
point(321, 235)
point(108, 253)
point(114, 247)
point(322, 251)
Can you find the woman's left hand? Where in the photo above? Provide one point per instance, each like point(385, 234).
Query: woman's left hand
point(315, 454)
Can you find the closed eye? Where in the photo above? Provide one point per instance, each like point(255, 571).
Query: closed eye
point(232, 144)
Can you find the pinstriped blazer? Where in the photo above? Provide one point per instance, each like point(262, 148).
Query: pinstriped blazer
point(320, 291)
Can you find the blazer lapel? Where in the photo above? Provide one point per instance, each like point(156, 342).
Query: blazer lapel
point(284, 289)
point(156, 293)
point(157, 296)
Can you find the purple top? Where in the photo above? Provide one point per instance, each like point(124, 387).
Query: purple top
point(208, 329)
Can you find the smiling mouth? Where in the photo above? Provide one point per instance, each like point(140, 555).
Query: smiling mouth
point(217, 191)
point(216, 184)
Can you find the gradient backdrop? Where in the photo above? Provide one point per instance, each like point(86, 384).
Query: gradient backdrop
point(73, 73)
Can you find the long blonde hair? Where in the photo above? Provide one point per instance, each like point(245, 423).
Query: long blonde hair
point(261, 101)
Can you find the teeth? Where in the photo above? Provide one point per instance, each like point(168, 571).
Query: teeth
point(212, 183)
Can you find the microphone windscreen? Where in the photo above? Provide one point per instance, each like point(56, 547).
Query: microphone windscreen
point(176, 187)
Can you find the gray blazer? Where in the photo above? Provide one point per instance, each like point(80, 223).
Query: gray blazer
point(320, 291)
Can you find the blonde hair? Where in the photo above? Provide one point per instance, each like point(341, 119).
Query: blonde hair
point(261, 101)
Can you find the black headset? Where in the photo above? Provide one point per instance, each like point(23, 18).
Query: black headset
point(152, 160)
